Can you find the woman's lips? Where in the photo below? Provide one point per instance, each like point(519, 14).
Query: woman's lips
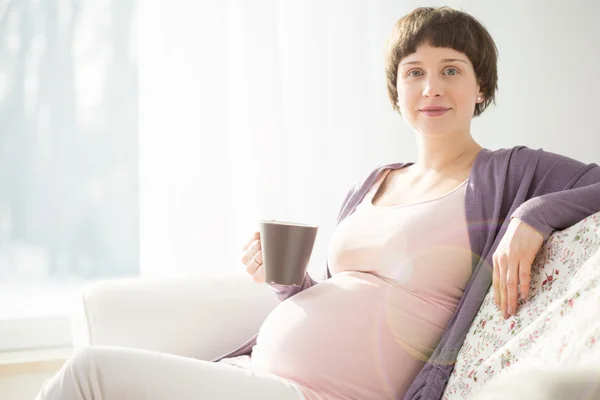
point(434, 112)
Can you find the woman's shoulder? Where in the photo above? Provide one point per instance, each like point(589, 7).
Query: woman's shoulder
point(516, 154)
point(538, 164)
point(523, 156)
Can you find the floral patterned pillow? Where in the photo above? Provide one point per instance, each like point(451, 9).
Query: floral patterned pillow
point(558, 325)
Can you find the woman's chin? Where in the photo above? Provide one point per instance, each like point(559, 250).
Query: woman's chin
point(433, 133)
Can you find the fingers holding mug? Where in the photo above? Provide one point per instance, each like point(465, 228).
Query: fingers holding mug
point(250, 251)
point(256, 268)
point(254, 262)
point(259, 275)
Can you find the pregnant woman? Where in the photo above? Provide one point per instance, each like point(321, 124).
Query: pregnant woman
point(416, 248)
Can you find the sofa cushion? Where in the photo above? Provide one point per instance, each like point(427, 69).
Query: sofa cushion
point(558, 325)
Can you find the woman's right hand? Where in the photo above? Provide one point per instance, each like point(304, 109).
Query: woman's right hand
point(252, 258)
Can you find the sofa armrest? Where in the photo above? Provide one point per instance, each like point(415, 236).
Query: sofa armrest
point(201, 317)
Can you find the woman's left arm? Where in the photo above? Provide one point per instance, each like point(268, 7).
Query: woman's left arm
point(530, 225)
point(561, 209)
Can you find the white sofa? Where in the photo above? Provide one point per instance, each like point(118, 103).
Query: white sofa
point(202, 317)
point(205, 317)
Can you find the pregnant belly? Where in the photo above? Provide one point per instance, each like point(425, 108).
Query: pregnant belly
point(354, 335)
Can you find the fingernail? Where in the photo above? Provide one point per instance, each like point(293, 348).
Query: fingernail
point(509, 310)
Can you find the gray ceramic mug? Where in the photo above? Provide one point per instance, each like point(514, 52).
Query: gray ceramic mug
point(286, 250)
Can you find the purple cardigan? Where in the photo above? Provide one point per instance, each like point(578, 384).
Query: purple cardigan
point(545, 190)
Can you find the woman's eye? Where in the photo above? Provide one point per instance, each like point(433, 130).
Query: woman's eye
point(415, 72)
point(451, 71)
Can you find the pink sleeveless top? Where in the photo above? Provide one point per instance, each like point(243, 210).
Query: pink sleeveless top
point(398, 273)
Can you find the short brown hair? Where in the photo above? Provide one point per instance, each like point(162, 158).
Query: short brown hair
point(444, 27)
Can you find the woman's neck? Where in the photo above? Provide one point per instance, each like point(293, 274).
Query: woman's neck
point(438, 153)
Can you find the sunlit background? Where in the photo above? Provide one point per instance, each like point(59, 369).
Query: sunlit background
point(149, 138)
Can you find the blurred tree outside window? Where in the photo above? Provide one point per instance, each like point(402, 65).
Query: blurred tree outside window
point(68, 148)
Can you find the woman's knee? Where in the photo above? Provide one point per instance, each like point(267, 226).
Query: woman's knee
point(73, 379)
point(83, 359)
point(84, 366)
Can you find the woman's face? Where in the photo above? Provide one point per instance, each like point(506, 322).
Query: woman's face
point(437, 91)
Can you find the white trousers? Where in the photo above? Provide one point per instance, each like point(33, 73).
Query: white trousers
point(112, 373)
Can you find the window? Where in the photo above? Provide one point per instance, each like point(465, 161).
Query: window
point(68, 156)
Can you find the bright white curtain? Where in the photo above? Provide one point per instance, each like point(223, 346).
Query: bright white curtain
point(252, 110)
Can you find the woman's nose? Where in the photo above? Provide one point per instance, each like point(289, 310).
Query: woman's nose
point(433, 87)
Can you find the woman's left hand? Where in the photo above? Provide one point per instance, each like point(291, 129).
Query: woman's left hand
point(512, 264)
